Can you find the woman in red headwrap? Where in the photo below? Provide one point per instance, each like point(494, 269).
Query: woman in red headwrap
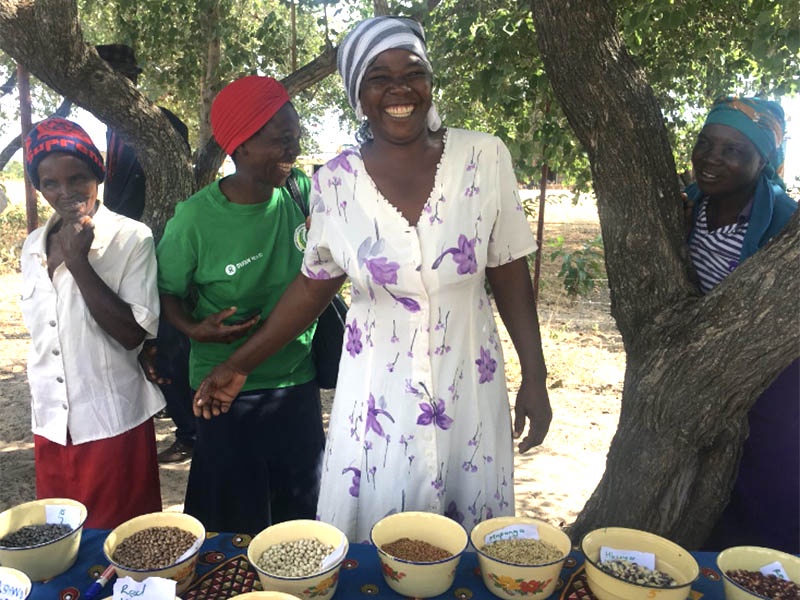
point(226, 257)
point(89, 299)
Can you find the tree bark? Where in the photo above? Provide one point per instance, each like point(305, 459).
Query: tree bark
point(690, 380)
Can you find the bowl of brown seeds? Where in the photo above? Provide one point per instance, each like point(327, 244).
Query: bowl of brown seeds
point(41, 538)
point(520, 557)
point(619, 566)
point(301, 557)
point(419, 552)
point(161, 544)
point(752, 572)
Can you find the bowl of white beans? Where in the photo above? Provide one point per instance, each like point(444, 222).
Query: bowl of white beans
point(520, 557)
point(300, 557)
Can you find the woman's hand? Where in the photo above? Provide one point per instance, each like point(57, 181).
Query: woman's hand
point(147, 360)
point(212, 329)
point(533, 405)
point(75, 239)
point(218, 391)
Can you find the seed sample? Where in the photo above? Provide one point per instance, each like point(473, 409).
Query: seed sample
point(33, 535)
point(415, 550)
point(523, 551)
point(635, 573)
point(769, 586)
point(297, 558)
point(153, 548)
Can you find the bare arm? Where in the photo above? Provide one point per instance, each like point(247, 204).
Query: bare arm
point(513, 293)
point(210, 329)
point(300, 304)
point(111, 312)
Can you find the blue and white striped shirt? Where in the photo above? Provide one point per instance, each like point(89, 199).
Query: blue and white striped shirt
point(716, 253)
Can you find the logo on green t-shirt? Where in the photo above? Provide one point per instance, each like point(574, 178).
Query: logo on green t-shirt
point(301, 237)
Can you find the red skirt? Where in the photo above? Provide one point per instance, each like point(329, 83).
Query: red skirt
point(115, 478)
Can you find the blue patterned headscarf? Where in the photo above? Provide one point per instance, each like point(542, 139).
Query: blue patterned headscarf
point(762, 122)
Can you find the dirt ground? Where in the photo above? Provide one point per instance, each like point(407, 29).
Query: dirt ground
point(582, 348)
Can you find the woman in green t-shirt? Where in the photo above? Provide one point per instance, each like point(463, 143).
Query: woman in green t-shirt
point(233, 247)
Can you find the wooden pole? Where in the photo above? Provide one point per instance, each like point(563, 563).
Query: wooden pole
point(24, 87)
point(540, 232)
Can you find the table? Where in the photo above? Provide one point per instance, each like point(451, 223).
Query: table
point(224, 572)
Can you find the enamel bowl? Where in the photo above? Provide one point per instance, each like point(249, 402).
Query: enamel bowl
point(753, 558)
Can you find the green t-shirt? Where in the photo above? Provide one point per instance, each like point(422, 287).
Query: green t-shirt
point(242, 255)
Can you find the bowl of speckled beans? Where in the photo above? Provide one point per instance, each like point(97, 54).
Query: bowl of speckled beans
point(630, 564)
point(419, 552)
point(160, 544)
point(37, 539)
point(301, 557)
point(753, 572)
point(520, 557)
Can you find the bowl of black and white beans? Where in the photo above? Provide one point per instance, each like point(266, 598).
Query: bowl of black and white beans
point(630, 564)
point(301, 557)
point(41, 538)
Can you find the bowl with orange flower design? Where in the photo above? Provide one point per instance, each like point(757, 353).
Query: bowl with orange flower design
point(520, 557)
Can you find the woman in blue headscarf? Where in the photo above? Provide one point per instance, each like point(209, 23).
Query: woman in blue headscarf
point(739, 204)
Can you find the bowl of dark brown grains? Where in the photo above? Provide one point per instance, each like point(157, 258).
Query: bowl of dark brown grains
point(419, 552)
point(162, 544)
point(751, 572)
point(520, 557)
point(630, 564)
point(41, 538)
point(301, 557)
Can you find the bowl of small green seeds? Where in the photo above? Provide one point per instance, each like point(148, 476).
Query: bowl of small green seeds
point(41, 538)
point(301, 557)
point(629, 564)
point(520, 557)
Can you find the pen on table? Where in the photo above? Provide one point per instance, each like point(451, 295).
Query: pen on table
point(97, 586)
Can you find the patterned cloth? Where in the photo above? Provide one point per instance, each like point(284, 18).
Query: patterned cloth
point(423, 422)
point(223, 572)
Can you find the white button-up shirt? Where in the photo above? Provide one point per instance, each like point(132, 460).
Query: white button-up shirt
point(83, 381)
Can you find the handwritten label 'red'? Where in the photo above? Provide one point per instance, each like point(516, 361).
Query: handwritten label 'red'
point(643, 559)
point(60, 514)
point(152, 588)
point(775, 568)
point(513, 532)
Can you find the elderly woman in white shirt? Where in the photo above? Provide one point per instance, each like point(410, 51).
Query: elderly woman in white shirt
point(89, 299)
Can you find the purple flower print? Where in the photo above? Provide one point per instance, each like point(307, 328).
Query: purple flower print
point(356, 481)
point(409, 304)
point(453, 513)
point(463, 255)
point(372, 417)
point(341, 162)
point(321, 274)
point(486, 366)
point(434, 412)
point(382, 270)
point(354, 344)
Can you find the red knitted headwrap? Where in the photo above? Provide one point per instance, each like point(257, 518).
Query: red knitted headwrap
point(243, 107)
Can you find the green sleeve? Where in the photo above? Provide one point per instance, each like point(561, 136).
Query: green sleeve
point(177, 254)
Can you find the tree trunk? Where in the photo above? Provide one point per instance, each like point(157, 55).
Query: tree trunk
point(690, 380)
point(45, 36)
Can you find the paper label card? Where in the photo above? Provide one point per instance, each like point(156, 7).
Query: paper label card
point(12, 588)
point(512, 532)
point(152, 588)
point(62, 515)
point(643, 559)
point(774, 568)
point(334, 556)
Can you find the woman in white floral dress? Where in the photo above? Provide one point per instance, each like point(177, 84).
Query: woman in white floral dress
point(418, 218)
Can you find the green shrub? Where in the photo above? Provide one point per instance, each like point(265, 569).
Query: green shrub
point(13, 231)
point(579, 268)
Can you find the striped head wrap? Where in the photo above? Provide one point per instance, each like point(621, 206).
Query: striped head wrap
point(762, 122)
point(366, 41)
point(60, 135)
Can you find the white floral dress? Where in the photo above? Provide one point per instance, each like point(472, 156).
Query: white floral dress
point(420, 419)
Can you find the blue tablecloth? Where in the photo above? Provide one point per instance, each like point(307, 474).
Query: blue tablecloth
point(223, 572)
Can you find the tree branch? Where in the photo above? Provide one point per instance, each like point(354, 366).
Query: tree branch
point(14, 145)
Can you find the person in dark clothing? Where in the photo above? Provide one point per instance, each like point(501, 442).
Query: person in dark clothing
point(124, 193)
